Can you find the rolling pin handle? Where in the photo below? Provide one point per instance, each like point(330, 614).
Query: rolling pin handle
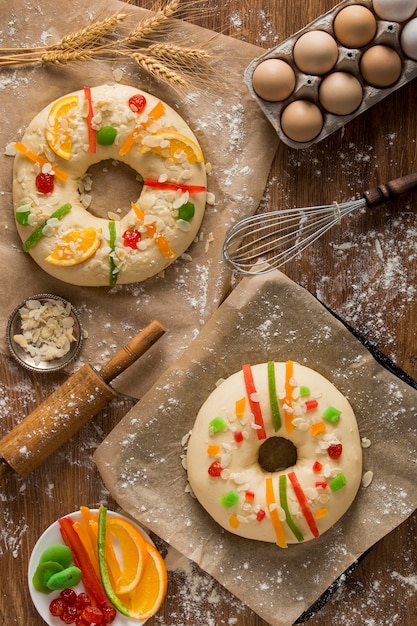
point(132, 351)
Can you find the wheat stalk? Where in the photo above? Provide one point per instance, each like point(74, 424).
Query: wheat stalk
point(100, 40)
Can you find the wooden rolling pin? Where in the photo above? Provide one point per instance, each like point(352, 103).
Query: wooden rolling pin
point(74, 403)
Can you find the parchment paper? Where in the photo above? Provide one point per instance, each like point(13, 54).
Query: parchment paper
point(235, 137)
point(266, 317)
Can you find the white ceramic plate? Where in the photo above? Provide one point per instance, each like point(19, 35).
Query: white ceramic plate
point(51, 537)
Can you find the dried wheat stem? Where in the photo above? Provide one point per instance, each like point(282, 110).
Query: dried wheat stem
point(149, 25)
point(154, 67)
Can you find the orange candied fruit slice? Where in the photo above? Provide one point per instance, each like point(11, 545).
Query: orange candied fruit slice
point(75, 247)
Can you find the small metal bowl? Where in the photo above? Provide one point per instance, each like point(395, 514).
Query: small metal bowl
point(14, 327)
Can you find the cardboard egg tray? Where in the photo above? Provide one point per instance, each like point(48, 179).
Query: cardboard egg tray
point(307, 86)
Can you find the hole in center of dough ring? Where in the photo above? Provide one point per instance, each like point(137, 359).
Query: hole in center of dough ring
point(277, 454)
point(109, 186)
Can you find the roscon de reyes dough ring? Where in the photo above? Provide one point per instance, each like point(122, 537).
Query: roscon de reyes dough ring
point(275, 453)
point(80, 129)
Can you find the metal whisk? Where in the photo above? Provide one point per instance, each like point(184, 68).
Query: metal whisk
point(264, 242)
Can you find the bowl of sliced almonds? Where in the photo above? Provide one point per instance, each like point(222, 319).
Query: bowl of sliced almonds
point(44, 333)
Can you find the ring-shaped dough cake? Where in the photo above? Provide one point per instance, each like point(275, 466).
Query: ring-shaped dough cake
point(81, 129)
point(275, 453)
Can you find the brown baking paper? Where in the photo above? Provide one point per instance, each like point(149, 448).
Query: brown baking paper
point(266, 318)
point(236, 139)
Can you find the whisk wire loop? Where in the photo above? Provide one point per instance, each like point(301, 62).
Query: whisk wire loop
point(263, 242)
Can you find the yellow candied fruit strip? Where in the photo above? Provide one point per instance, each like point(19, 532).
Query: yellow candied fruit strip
point(318, 428)
point(276, 522)
point(83, 533)
point(233, 521)
point(240, 407)
point(321, 513)
point(213, 450)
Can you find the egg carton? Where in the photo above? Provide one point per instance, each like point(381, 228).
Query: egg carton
point(307, 86)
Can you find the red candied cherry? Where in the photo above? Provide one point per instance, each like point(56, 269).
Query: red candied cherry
point(82, 601)
point(335, 450)
point(137, 103)
point(69, 615)
point(109, 614)
point(57, 606)
point(69, 596)
point(45, 183)
point(92, 615)
point(215, 469)
point(131, 238)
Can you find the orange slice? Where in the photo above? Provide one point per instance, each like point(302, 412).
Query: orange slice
point(75, 247)
point(146, 599)
point(132, 547)
point(58, 132)
point(176, 146)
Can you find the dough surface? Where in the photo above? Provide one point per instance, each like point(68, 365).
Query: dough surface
point(227, 447)
point(155, 142)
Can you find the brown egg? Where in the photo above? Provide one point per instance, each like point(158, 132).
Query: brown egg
point(380, 66)
point(354, 26)
point(315, 52)
point(273, 80)
point(340, 93)
point(301, 120)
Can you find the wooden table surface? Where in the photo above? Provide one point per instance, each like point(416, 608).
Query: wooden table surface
point(364, 271)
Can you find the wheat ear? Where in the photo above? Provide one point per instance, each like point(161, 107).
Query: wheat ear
point(61, 57)
point(149, 25)
point(177, 54)
point(158, 70)
point(92, 33)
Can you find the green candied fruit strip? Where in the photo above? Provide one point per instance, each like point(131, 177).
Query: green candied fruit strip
point(59, 554)
point(217, 425)
point(69, 577)
point(38, 232)
point(273, 399)
point(304, 391)
point(43, 573)
point(284, 503)
point(106, 136)
point(338, 482)
point(112, 242)
point(331, 415)
point(229, 499)
point(186, 211)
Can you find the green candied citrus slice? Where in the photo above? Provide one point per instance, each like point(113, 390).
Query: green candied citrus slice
point(43, 573)
point(68, 577)
point(59, 553)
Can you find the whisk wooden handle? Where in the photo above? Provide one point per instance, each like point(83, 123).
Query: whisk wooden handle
point(391, 190)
